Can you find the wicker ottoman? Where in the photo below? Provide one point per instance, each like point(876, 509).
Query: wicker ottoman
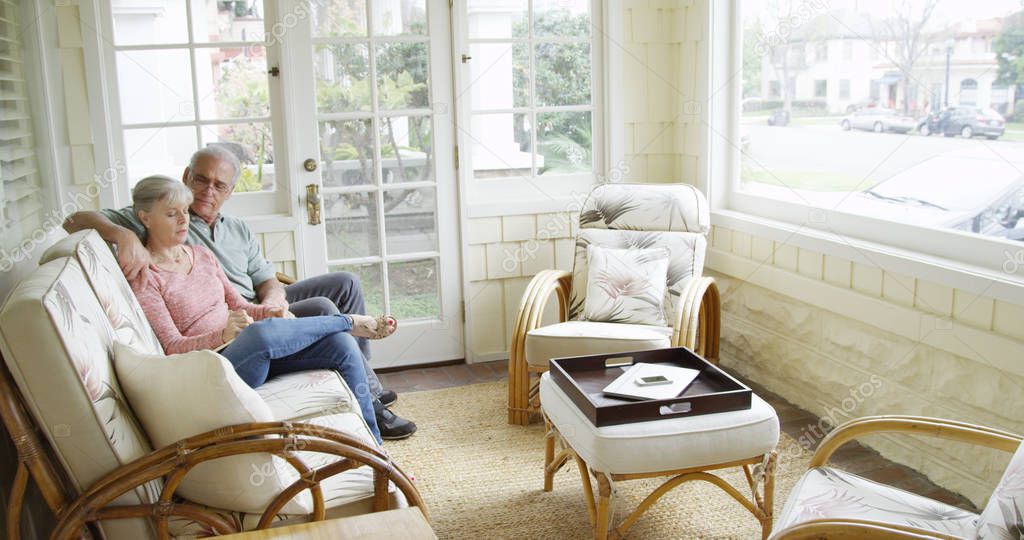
point(682, 448)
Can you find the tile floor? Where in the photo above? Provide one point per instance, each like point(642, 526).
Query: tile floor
point(795, 421)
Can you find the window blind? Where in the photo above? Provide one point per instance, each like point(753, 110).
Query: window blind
point(20, 184)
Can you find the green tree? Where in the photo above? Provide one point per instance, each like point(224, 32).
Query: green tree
point(751, 63)
point(561, 75)
point(1009, 49)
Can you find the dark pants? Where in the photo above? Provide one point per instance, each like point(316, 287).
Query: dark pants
point(330, 294)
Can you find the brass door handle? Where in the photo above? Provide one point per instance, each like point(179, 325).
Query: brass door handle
point(313, 201)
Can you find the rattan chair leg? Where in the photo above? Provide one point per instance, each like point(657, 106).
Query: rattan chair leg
point(17, 497)
point(602, 525)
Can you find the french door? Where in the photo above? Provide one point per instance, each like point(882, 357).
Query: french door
point(367, 93)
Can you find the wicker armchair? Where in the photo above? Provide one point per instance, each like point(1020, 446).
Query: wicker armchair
point(671, 216)
point(829, 503)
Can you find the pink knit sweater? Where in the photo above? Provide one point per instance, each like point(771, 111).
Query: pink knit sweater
point(189, 311)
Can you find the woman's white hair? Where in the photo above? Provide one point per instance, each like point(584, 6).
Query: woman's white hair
point(156, 188)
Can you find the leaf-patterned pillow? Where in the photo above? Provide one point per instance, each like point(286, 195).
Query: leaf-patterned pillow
point(626, 285)
point(1002, 517)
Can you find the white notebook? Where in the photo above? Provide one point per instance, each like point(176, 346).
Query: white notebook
point(629, 384)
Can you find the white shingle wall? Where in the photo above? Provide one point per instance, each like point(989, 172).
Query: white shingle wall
point(76, 100)
point(845, 340)
point(661, 108)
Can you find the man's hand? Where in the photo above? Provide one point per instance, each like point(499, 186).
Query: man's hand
point(132, 256)
point(237, 321)
point(281, 312)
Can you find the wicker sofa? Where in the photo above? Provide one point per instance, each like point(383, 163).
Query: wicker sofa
point(80, 442)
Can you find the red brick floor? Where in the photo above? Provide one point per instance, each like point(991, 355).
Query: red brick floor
point(795, 422)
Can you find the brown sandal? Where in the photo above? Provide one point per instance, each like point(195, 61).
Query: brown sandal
point(373, 328)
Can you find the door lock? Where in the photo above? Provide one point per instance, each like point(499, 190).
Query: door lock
point(309, 164)
point(313, 201)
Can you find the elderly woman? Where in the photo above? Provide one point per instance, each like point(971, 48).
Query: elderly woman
point(191, 305)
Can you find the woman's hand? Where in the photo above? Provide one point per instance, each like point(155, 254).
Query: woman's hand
point(237, 321)
point(281, 312)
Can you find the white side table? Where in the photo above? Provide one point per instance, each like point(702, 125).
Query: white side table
point(684, 449)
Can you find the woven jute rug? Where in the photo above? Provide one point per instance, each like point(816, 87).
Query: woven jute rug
point(482, 478)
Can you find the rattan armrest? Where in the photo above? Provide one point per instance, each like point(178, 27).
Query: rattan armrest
point(283, 439)
point(285, 279)
point(855, 529)
point(917, 425)
point(531, 310)
point(698, 318)
point(531, 307)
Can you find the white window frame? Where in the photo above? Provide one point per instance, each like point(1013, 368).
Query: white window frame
point(954, 258)
point(530, 195)
point(101, 63)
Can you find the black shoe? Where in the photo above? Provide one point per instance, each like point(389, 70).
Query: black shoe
point(392, 427)
point(388, 397)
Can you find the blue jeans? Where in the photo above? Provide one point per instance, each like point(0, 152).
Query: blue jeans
point(277, 346)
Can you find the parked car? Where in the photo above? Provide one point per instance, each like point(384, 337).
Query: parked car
point(964, 121)
point(878, 120)
point(971, 190)
point(779, 118)
point(863, 104)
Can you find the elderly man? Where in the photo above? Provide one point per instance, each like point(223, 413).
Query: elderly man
point(211, 175)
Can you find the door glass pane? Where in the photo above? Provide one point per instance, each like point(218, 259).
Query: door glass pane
point(157, 150)
point(406, 149)
point(565, 18)
point(565, 142)
point(563, 73)
point(238, 86)
point(410, 222)
point(346, 147)
point(490, 20)
point(339, 18)
point(500, 75)
point(351, 220)
point(168, 24)
point(155, 86)
point(226, 21)
point(414, 289)
point(402, 75)
point(253, 144)
point(501, 145)
point(342, 77)
point(370, 277)
point(399, 17)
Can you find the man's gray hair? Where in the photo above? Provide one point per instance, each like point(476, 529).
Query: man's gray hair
point(221, 154)
point(158, 187)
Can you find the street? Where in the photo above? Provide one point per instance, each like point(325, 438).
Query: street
point(821, 156)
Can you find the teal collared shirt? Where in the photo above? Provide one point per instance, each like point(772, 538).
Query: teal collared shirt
point(230, 239)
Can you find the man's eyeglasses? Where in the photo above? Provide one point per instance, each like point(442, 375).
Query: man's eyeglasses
point(202, 183)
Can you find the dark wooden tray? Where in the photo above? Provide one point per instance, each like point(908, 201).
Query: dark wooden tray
point(583, 377)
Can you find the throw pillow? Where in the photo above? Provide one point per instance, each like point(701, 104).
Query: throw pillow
point(626, 285)
point(178, 396)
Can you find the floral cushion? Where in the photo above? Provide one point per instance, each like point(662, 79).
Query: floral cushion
point(626, 285)
point(686, 259)
point(306, 394)
point(825, 493)
point(1001, 517)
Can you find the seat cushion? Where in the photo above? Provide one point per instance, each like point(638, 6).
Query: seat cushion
point(824, 493)
point(662, 445)
point(306, 394)
point(1003, 516)
point(580, 338)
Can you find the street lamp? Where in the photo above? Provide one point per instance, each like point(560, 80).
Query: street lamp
point(949, 53)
